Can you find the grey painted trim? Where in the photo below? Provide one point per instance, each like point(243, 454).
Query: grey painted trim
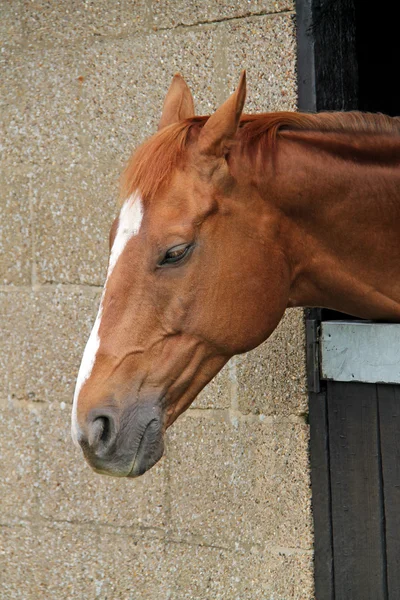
point(360, 351)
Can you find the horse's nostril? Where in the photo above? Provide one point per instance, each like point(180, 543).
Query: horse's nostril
point(101, 432)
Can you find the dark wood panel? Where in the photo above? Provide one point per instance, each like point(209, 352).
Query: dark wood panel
point(336, 69)
point(307, 98)
point(357, 506)
point(389, 416)
point(321, 497)
point(327, 59)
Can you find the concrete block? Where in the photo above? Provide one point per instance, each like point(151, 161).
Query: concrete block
point(45, 333)
point(217, 394)
point(132, 567)
point(272, 378)
point(18, 464)
point(60, 23)
point(213, 573)
point(19, 562)
point(74, 208)
point(65, 561)
point(15, 321)
point(167, 14)
point(53, 87)
point(15, 231)
point(126, 81)
point(11, 61)
point(266, 48)
point(11, 18)
point(68, 489)
point(13, 131)
point(243, 482)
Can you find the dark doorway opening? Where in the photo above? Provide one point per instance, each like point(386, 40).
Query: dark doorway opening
point(377, 55)
point(348, 55)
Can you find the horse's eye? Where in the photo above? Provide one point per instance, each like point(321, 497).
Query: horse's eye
point(176, 254)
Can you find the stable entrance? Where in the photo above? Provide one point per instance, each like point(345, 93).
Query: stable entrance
point(348, 59)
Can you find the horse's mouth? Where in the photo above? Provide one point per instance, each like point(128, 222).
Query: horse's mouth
point(150, 449)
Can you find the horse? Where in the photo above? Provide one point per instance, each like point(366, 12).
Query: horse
point(226, 221)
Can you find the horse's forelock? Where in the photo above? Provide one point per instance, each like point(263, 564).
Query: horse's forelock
point(153, 163)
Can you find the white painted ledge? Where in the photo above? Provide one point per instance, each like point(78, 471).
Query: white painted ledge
point(360, 351)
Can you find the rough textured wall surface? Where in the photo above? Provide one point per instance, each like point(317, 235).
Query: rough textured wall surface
point(226, 513)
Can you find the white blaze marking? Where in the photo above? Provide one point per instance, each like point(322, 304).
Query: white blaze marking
point(129, 222)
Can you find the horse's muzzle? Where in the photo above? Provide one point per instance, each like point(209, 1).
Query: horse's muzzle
point(124, 443)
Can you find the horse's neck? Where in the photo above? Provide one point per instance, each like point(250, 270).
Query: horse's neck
point(343, 228)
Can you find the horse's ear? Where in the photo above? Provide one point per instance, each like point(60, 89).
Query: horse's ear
point(178, 103)
point(221, 127)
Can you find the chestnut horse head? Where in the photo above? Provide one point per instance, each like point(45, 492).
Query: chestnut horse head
point(201, 268)
point(187, 287)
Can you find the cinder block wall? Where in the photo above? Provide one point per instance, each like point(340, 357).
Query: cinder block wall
point(226, 513)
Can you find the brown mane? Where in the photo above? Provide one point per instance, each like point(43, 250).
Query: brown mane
point(153, 163)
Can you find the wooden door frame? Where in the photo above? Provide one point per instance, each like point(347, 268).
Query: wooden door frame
point(325, 39)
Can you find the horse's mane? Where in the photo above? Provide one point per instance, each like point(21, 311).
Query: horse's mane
point(153, 163)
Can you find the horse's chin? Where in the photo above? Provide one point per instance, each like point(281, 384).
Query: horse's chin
point(141, 466)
